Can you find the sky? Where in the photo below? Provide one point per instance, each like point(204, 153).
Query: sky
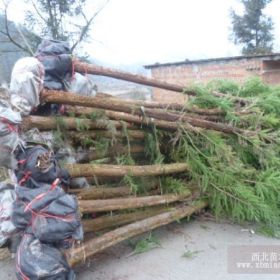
point(149, 31)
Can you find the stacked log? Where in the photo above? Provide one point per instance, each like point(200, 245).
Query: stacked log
point(127, 124)
point(153, 163)
point(111, 238)
point(116, 205)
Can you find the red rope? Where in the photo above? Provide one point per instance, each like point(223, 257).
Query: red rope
point(26, 176)
point(42, 213)
point(11, 127)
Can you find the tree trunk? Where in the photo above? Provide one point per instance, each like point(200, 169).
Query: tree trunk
point(89, 170)
point(109, 221)
point(98, 244)
point(139, 79)
point(102, 205)
point(49, 123)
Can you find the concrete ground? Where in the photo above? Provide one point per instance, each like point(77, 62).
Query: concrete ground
point(209, 239)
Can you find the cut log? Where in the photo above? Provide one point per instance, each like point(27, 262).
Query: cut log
point(140, 120)
point(109, 221)
point(143, 80)
point(85, 111)
point(94, 134)
point(100, 181)
point(114, 151)
point(169, 121)
point(177, 107)
point(102, 193)
point(49, 123)
point(163, 118)
point(67, 98)
point(89, 248)
point(156, 105)
point(102, 205)
point(89, 170)
point(110, 191)
point(196, 122)
point(139, 79)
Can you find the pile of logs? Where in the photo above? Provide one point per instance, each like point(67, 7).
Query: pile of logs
point(118, 212)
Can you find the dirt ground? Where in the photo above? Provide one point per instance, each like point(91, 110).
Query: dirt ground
point(209, 239)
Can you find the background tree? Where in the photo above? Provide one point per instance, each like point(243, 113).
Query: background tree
point(253, 30)
point(65, 20)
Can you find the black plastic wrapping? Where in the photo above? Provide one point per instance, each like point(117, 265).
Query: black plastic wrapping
point(36, 260)
point(31, 175)
point(57, 60)
point(48, 213)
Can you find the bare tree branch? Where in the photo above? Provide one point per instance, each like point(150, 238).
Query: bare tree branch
point(25, 40)
point(85, 29)
point(8, 34)
point(38, 12)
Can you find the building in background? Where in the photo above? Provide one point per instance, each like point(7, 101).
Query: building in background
point(238, 69)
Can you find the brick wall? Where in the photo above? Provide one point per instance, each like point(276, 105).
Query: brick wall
point(237, 70)
point(271, 72)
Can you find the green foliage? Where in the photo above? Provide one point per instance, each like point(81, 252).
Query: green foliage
point(239, 174)
point(87, 142)
point(125, 159)
point(270, 103)
point(205, 99)
point(235, 186)
point(223, 86)
point(253, 30)
point(269, 231)
point(254, 86)
point(131, 182)
point(146, 244)
point(98, 114)
point(60, 124)
point(152, 146)
point(81, 125)
point(102, 145)
point(190, 254)
point(173, 185)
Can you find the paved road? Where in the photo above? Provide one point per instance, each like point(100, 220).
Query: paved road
point(210, 239)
